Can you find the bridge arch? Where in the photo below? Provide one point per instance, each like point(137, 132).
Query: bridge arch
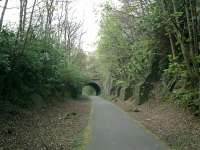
point(95, 86)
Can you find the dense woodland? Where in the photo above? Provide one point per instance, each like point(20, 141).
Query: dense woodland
point(142, 44)
point(147, 50)
point(145, 44)
point(41, 54)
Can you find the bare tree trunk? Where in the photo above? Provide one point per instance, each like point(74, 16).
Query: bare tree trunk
point(22, 19)
point(180, 40)
point(30, 23)
point(50, 11)
point(3, 13)
point(172, 46)
point(24, 16)
point(142, 6)
point(189, 28)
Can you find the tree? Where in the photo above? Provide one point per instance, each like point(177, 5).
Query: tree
point(42, 56)
point(3, 13)
point(145, 41)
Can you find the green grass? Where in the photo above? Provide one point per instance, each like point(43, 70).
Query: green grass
point(83, 138)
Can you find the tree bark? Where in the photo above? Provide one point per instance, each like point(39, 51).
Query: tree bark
point(3, 13)
point(30, 24)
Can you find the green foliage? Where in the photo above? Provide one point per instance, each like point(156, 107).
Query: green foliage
point(139, 42)
point(181, 91)
point(40, 68)
point(121, 83)
point(183, 97)
point(126, 46)
point(176, 68)
point(87, 91)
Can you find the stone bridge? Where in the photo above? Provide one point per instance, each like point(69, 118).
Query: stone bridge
point(96, 85)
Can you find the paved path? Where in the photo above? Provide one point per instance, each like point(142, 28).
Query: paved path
point(112, 129)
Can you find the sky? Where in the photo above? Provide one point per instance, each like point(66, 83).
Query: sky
point(88, 11)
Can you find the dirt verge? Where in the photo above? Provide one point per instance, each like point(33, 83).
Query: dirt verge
point(177, 127)
point(52, 127)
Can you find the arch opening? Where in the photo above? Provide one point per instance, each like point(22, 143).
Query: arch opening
point(90, 88)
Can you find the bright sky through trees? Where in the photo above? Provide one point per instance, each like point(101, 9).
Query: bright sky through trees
point(87, 11)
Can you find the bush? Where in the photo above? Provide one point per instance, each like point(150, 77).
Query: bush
point(180, 90)
point(37, 67)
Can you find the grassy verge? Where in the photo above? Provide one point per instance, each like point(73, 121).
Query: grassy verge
point(82, 139)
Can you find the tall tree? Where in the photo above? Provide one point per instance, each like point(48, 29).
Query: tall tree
point(3, 13)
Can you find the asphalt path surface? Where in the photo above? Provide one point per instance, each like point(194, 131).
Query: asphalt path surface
point(113, 129)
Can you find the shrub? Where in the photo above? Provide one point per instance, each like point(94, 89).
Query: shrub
point(37, 67)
